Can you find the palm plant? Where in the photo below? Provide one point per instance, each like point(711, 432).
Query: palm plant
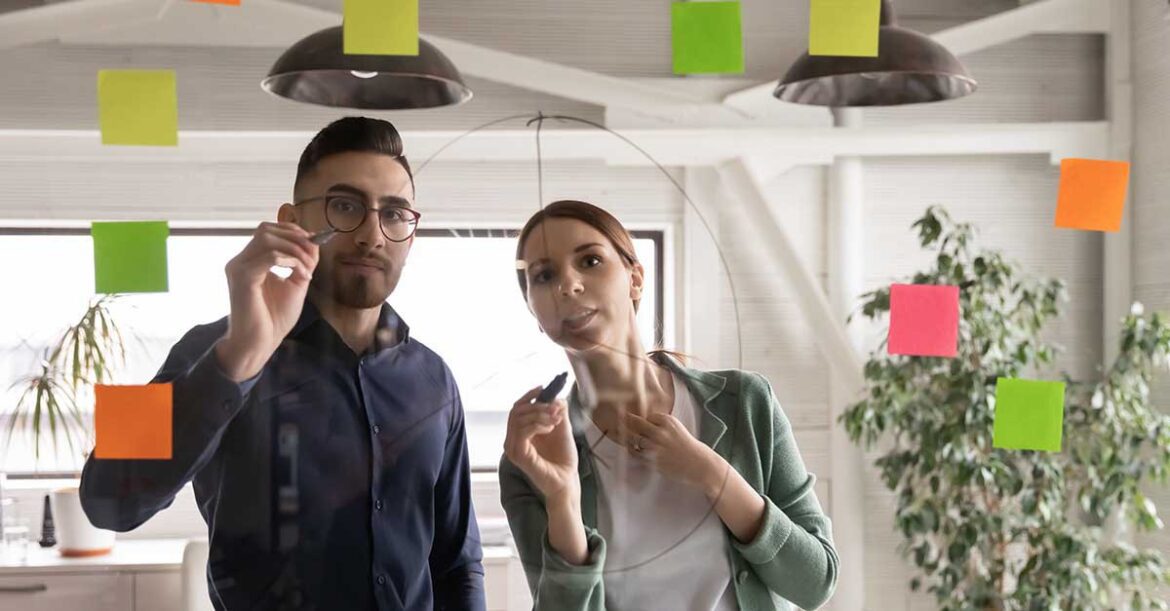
point(86, 353)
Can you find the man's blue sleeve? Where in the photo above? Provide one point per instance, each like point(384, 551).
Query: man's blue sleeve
point(119, 494)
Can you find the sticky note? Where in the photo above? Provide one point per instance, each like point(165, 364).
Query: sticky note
point(380, 27)
point(1092, 194)
point(844, 27)
point(130, 257)
point(133, 421)
point(231, 2)
point(924, 320)
point(1029, 414)
point(707, 37)
point(138, 107)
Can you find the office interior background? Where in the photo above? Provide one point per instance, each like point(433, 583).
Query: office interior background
point(782, 201)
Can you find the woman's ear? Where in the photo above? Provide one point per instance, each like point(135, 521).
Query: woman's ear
point(637, 279)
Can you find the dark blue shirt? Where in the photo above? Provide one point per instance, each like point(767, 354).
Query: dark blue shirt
point(328, 481)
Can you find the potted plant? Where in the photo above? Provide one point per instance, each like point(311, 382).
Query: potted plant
point(988, 528)
point(85, 354)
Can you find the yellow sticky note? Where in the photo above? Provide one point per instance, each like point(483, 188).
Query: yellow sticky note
point(138, 107)
point(380, 27)
point(844, 27)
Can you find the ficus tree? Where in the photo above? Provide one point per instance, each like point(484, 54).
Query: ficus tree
point(995, 529)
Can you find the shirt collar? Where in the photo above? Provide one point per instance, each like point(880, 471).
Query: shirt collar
point(388, 320)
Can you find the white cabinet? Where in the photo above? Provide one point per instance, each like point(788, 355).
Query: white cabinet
point(158, 591)
point(103, 591)
point(495, 584)
point(146, 575)
point(135, 576)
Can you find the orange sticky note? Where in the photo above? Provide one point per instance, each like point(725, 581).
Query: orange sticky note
point(133, 421)
point(231, 2)
point(1092, 194)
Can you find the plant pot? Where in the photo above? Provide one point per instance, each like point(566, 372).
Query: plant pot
point(76, 536)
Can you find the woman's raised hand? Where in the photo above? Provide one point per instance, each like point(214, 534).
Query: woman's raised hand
point(540, 444)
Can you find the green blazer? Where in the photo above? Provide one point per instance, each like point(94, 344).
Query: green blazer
point(791, 560)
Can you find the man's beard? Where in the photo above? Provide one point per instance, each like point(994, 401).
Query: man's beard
point(358, 291)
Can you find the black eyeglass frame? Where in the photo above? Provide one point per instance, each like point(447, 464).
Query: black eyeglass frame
point(365, 214)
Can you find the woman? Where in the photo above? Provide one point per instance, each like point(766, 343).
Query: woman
point(656, 486)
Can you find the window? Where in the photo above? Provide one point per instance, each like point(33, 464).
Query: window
point(458, 294)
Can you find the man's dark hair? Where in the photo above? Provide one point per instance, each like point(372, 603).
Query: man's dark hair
point(354, 134)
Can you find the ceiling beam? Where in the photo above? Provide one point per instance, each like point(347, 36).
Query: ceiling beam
point(277, 24)
point(1043, 17)
point(1040, 17)
point(52, 21)
point(795, 145)
point(835, 346)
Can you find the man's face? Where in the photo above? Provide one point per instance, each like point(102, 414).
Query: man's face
point(358, 269)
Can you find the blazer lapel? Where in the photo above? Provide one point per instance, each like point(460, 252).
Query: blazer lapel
point(705, 387)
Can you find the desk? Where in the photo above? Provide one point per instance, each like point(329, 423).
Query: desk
point(146, 575)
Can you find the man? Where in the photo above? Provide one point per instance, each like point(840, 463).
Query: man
point(327, 447)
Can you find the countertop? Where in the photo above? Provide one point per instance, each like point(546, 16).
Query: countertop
point(138, 555)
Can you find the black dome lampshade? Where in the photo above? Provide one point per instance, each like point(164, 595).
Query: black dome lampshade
point(910, 68)
point(315, 70)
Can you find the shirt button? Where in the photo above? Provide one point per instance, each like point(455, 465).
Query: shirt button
point(378, 505)
point(381, 580)
point(377, 429)
point(742, 576)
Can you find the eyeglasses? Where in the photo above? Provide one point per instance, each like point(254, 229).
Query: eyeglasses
point(345, 213)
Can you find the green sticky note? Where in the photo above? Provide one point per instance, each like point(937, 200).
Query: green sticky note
point(138, 107)
point(1029, 414)
point(707, 37)
point(130, 257)
point(380, 27)
point(844, 27)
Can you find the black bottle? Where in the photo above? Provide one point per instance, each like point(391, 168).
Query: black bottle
point(48, 531)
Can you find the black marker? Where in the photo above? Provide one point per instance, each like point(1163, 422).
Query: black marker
point(321, 237)
point(551, 391)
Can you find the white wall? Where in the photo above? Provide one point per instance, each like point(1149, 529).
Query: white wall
point(1151, 189)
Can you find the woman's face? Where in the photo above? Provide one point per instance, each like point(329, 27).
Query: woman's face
point(579, 288)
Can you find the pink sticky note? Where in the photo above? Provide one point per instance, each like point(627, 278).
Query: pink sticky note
point(924, 320)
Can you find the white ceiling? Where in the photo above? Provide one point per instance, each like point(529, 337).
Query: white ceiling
point(51, 85)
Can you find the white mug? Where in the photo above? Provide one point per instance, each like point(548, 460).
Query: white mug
point(76, 536)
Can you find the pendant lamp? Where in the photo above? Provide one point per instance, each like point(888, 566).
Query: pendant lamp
point(316, 71)
point(910, 68)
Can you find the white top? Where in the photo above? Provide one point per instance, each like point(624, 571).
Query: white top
point(665, 545)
